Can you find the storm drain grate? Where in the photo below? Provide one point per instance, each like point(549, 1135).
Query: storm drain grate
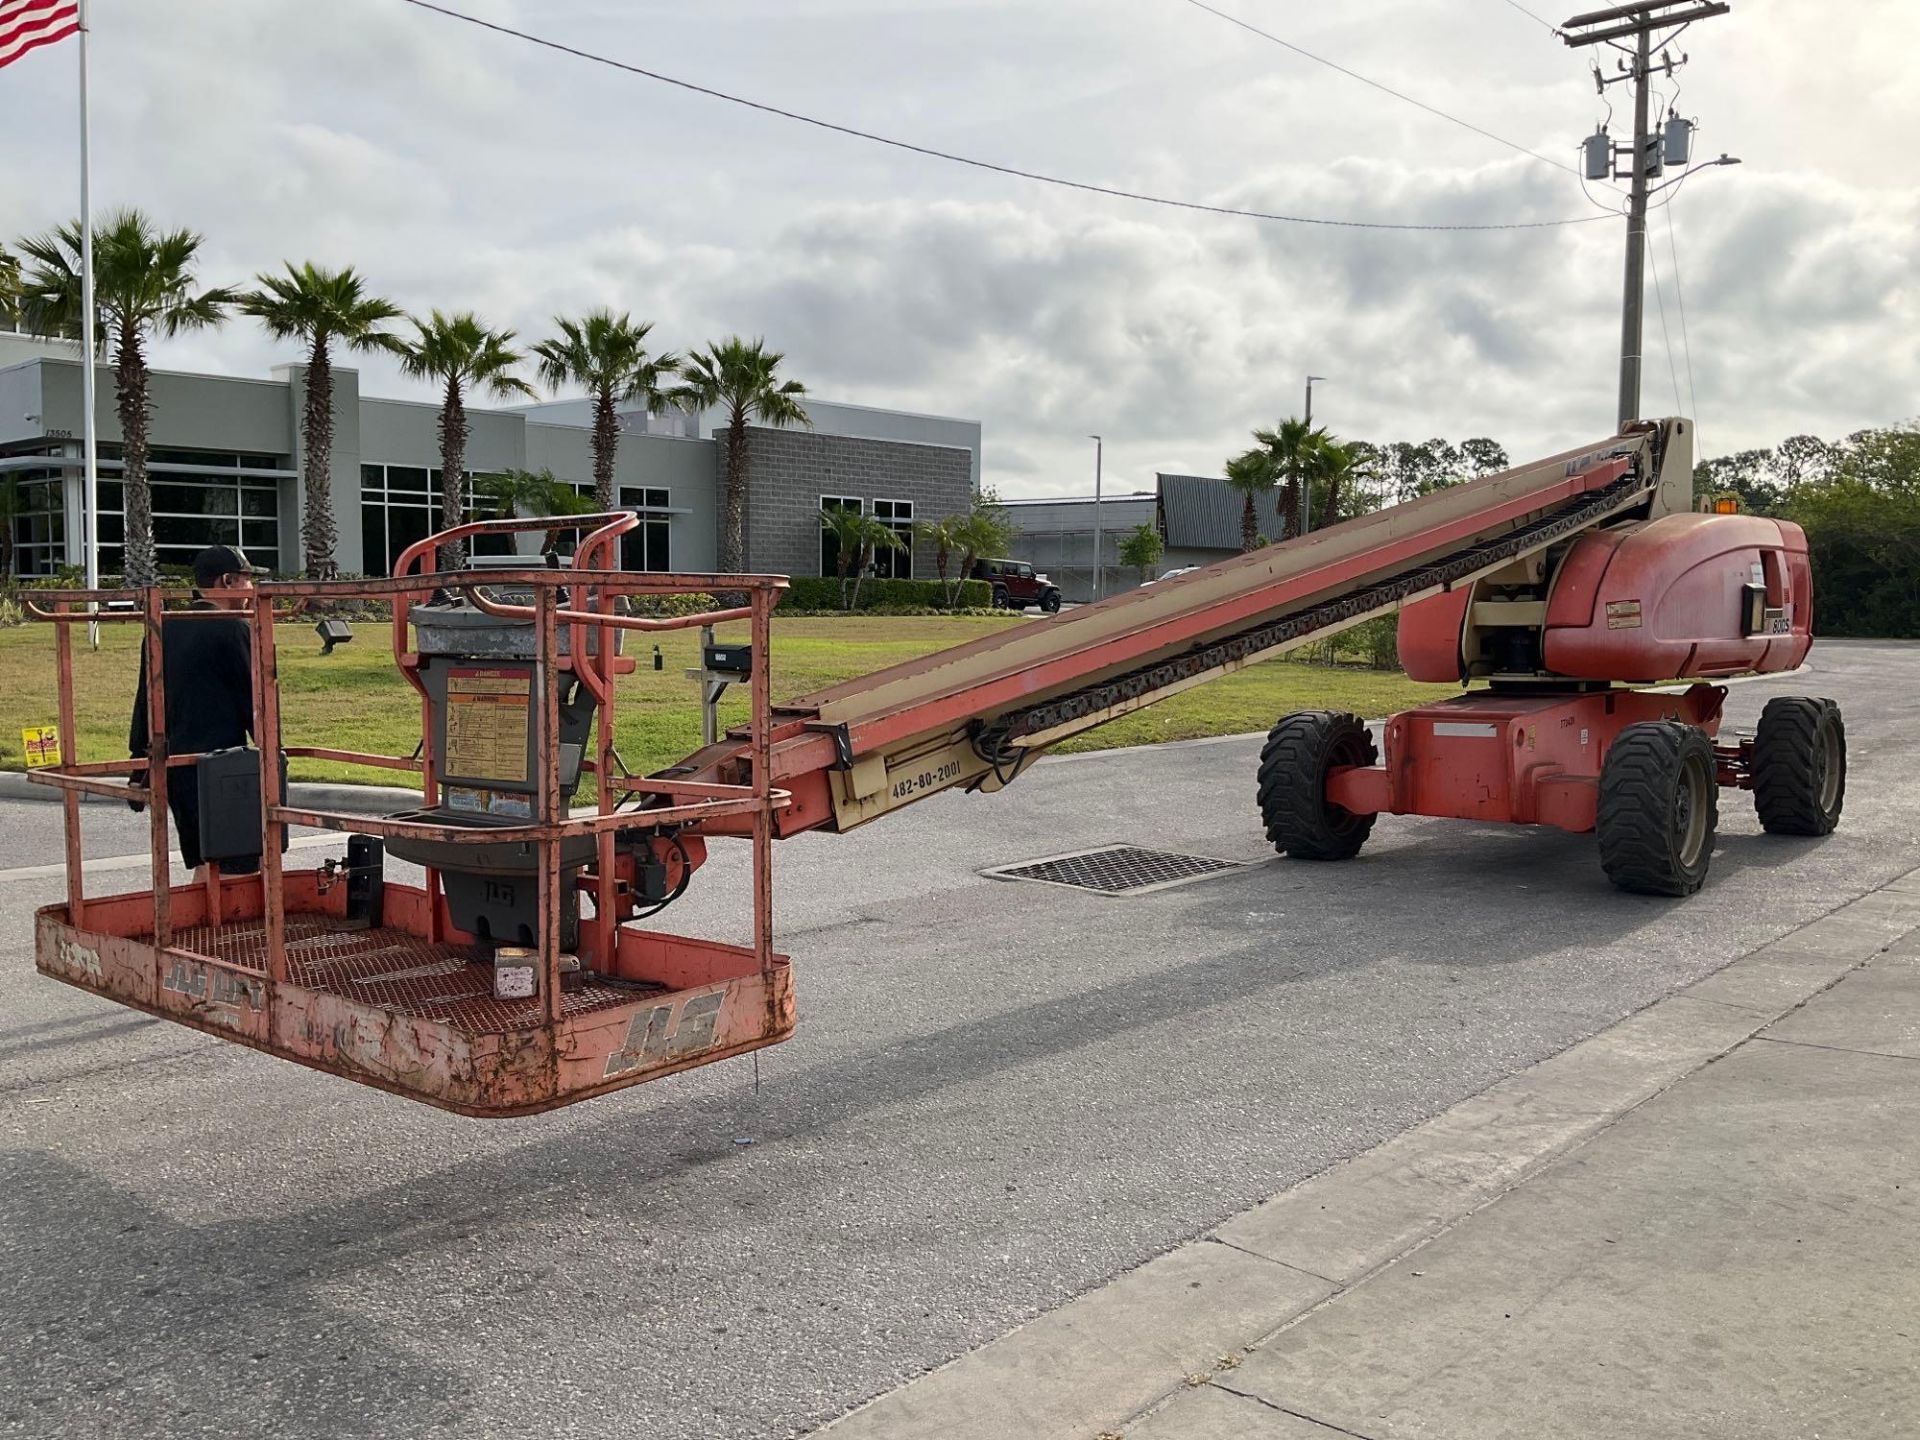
point(1118, 869)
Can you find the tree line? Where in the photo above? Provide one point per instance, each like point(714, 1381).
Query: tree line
point(1858, 499)
point(146, 287)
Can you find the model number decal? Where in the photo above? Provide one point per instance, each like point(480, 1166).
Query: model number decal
point(927, 780)
point(217, 986)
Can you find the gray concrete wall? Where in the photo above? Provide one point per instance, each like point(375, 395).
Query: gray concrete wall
point(192, 411)
point(683, 468)
point(789, 470)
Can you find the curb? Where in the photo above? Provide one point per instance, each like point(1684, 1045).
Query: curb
point(1105, 1359)
point(350, 799)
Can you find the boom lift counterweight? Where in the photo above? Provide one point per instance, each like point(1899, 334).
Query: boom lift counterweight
point(1560, 585)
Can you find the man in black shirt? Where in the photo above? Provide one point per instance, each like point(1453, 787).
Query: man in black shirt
point(209, 675)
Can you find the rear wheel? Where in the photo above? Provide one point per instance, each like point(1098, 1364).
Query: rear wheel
point(1799, 766)
point(1000, 597)
point(1301, 751)
point(1659, 808)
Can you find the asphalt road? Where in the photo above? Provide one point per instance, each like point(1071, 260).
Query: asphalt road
point(1001, 1095)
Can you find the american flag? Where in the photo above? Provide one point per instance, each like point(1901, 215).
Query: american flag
point(28, 24)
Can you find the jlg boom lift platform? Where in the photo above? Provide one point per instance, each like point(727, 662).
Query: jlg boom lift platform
point(1561, 589)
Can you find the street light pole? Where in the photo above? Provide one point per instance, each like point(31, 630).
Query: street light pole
point(1099, 447)
point(1306, 481)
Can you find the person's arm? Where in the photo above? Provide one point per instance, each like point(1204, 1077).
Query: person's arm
point(239, 675)
point(137, 737)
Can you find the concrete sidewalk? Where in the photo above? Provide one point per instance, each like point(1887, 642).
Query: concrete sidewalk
point(1704, 1221)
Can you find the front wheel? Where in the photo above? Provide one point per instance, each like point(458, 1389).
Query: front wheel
point(1050, 602)
point(1301, 751)
point(1659, 808)
point(1799, 766)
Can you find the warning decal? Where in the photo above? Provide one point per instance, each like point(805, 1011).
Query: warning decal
point(488, 715)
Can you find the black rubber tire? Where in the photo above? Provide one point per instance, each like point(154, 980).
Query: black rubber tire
point(1799, 766)
point(1300, 750)
point(1050, 602)
point(1000, 600)
point(1659, 808)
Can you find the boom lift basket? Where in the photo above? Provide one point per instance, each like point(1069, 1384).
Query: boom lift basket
point(396, 991)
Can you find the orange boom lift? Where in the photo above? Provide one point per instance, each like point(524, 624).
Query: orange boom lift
point(520, 976)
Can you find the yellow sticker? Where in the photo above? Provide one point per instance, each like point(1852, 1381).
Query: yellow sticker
point(42, 744)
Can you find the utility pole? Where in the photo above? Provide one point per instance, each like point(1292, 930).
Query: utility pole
point(1649, 153)
point(1306, 481)
point(1099, 447)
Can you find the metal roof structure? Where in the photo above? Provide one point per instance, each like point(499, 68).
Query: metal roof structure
point(1201, 512)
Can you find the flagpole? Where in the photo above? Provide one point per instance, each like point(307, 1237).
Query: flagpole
point(91, 504)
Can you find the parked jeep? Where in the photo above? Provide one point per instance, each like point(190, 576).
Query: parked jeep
point(1015, 586)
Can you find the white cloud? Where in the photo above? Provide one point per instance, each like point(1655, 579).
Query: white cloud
point(460, 169)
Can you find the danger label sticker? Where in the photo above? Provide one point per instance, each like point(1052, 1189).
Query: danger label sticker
point(1623, 615)
point(488, 718)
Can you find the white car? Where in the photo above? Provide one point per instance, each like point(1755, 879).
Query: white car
point(1183, 570)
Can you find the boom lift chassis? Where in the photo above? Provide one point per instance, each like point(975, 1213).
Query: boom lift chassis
point(1511, 578)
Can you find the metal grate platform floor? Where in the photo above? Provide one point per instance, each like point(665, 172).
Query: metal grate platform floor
point(1118, 869)
point(398, 971)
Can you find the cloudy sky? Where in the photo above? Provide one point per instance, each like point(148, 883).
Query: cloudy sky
point(459, 168)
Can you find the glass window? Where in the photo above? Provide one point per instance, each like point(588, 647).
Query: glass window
point(177, 499)
point(195, 532)
point(373, 477)
point(829, 545)
point(256, 503)
point(895, 564)
point(373, 539)
point(410, 477)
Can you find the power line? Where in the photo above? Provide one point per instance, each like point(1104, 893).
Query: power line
point(1680, 301)
point(1253, 29)
point(1666, 335)
point(947, 155)
point(1544, 24)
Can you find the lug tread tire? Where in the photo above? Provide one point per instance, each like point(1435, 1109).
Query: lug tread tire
point(1300, 750)
point(1786, 756)
point(1644, 768)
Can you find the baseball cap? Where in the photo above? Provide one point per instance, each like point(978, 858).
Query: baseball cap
point(216, 562)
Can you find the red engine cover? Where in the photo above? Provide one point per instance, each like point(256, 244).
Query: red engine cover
point(1669, 599)
point(1666, 599)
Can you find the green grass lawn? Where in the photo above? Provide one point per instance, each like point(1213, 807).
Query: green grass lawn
point(354, 699)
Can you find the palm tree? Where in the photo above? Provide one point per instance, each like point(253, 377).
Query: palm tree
point(943, 537)
point(857, 536)
point(985, 532)
point(1331, 469)
point(1251, 474)
point(319, 307)
point(744, 377)
point(460, 354)
point(529, 494)
point(607, 354)
point(1291, 447)
point(143, 284)
point(9, 289)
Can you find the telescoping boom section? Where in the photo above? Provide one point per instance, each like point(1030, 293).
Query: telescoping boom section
point(973, 716)
point(510, 970)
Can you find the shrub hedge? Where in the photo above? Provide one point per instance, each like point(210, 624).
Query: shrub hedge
point(805, 592)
